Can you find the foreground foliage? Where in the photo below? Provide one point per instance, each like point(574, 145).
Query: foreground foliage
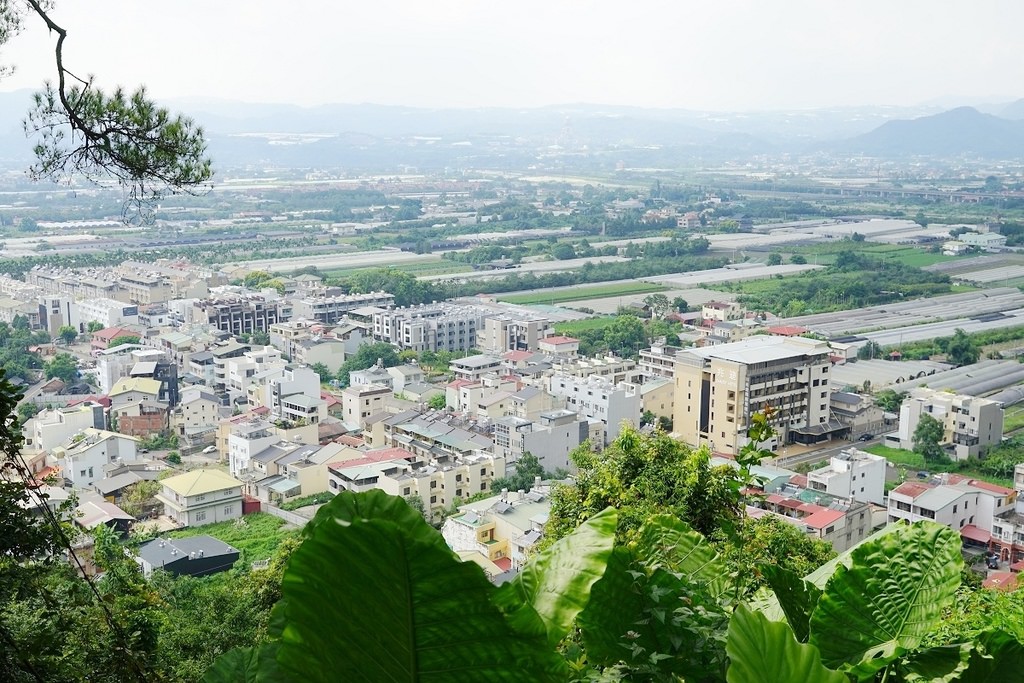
point(658, 606)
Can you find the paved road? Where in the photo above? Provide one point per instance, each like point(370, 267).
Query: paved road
point(824, 453)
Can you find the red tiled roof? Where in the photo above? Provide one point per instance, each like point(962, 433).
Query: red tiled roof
point(557, 339)
point(516, 355)
point(102, 400)
point(787, 330)
point(503, 563)
point(973, 533)
point(371, 457)
point(822, 518)
point(349, 440)
point(912, 488)
point(111, 333)
point(1006, 581)
point(791, 503)
point(459, 383)
point(1017, 566)
point(994, 488)
point(331, 399)
point(799, 480)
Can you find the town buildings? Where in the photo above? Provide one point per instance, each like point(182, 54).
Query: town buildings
point(970, 424)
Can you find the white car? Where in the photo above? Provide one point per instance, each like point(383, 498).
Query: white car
point(210, 449)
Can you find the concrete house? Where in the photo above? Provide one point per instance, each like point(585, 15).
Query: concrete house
point(201, 497)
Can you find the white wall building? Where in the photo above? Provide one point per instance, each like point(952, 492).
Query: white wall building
point(599, 399)
point(852, 474)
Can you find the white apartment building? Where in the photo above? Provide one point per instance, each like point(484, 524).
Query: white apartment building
point(719, 388)
point(53, 427)
point(551, 439)
point(970, 424)
point(246, 439)
point(330, 309)
point(109, 312)
point(361, 402)
point(473, 368)
point(598, 398)
point(434, 327)
point(852, 474)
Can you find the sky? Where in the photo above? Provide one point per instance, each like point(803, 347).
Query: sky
point(725, 55)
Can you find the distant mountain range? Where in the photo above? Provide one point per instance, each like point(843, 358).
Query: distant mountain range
point(959, 131)
point(363, 136)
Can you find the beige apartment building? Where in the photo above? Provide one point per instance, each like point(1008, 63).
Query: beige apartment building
point(719, 388)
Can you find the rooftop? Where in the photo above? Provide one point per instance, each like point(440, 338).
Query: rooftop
point(198, 482)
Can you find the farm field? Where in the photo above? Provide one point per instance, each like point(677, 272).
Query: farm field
point(583, 293)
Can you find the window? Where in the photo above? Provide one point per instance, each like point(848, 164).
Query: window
point(433, 484)
point(229, 509)
point(82, 473)
point(90, 472)
point(483, 487)
point(200, 516)
point(830, 529)
point(483, 471)
point(954, 509)
point(406, 491)
point(433, 499)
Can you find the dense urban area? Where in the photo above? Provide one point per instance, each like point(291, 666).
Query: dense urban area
point(585, 400)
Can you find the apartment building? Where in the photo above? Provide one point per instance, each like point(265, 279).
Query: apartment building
point(719, 388)
point(83, 456)
point(853, 474)
point(437, 481)
point(551, 438)
point(108, 312)
point(201, 497)
point(54, 426)
point(1007, 537)
point(434, 327)
point(503, 332)
point(361, 402)
point(598, 398)
point(473, 368)
point(970, 424)
point(659, 361)
point(329, 309)
point(240, 314)
point(840, 521)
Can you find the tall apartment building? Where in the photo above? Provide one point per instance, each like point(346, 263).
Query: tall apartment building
point(240, 314)
point(719, 388)
point(659, 361)
point(437, 327)
point(331, 309)
point(970, 424)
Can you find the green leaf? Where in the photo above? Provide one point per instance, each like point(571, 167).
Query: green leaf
point(999, 659)
point(937, 664)
point(377, 595)
point(615, 609)
point(666, 541)
point(247, 665)
point(762, 651)
point(796, 597)
point(890, 598)
point(557, 582)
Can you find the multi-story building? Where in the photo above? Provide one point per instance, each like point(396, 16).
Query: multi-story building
point(598, 398)
point(84, 455)
point(1007, 537)
point(853, 474)
point(612, 368)
point(473, 368)
point(240, 314)
point(222, 353)
point(361, 402)
point(201, 497)
point(719, 388)
point(434, 327)
point(840, 521)
point(108, 312)
point(857, 413)
point(659, 361)
point(501, 530)
point(970, 424)
point(977, 510)
point(329, 309)
point(551, 439)
point(438, 481)
point(503, 332)
point(53, 427)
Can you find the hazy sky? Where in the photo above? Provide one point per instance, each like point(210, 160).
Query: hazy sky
point(720, 55)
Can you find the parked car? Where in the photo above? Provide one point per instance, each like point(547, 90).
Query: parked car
point(210, 449)
point(865, 437)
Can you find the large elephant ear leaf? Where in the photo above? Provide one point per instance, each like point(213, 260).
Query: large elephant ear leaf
point(1000, 658)
point(373, 598)
point(556, 583)
point(375, 504)
point(890, 598)
point(762, 651)
point(937, 664)
point(796, 597)
point(247, 665)
point(667, 542)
